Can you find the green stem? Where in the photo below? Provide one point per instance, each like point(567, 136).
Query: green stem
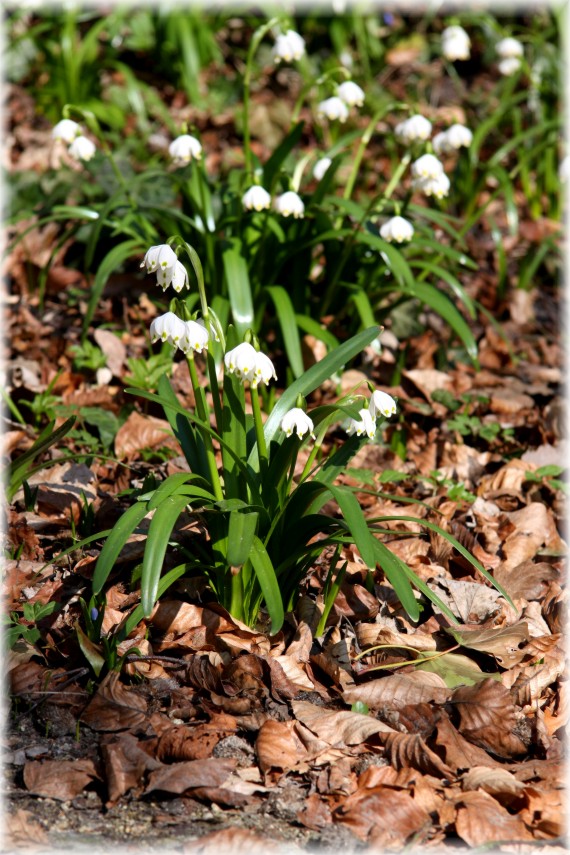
point(261, 446)
point(203, 413)
point(236, 595)
point(254, 44)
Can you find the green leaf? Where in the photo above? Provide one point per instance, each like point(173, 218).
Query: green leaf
point(451, 280)
point(441, 304)
point(456, 670)
point(239, 287)
point(394, 573)
point(265, 572)
point(241, 531)
point(356, 522)
point(19, 468)
point(124, 527)
point(190, 440)
point(289, 329)
point(278, 157)
point(159, 532)
point(394, 258)
point(109, 264)
point(90, 650)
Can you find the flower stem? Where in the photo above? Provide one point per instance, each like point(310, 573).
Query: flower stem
point(202, 409)
point(261, 446)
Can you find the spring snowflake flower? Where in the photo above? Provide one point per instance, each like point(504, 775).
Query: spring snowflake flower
point(175, 276)
point(564, 169)
point(213, 333)
point(509, 65)
point(159, 257)
point(427, 166)
point(413, 129)
point(297, 420)
point(332, 109)
point(184, 149)
point(351, 94)
point(437, 186)
point(288, 46)
point(82, 149)
point(366, 425)
point(66, 130)
point(195, 337)
point(510, 52)
point(455, 137)
point(290, 204)
point(256, 199)
point(168, 328)
point(381, 404)
point(321, 167)
point(248, 364)
point(397, 229)
point(455, 44)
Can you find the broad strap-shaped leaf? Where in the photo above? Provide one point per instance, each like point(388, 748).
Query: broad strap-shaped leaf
point(241, 532)
point(190, 440)
point(239, 286)
point(108, 265)
point(265, 572)
point(160, 529)
point(356, 522)
point(124, 527)
point(20, 467)
point(441, 304)
point(289, 329)
point(397, 578)
point(280, 154)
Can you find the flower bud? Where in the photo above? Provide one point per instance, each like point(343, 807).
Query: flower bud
point(321, 167)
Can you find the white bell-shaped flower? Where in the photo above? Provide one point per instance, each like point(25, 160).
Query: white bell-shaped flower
point(82, 148)
point(185, 148)
point(397, 230)
point(458, 136)
point(381, 404)
point(564, 169)
point(509, 47)
point(168, 328)
point(440, 143)
point(332, 109)
point(366, 425)
point(455, 43)
point(416, 128)
point(296, 420)
point(290, 204)
point(437, 186)
point(264, 370)
point(288, 46)
point(509, 65)
point(66, 130)
point(351, 93)
point(176, 276)
point(159, 257)
point(256, 199)
point(321, 167)
point(248, 364)
point(427, 166)
point(195, 337)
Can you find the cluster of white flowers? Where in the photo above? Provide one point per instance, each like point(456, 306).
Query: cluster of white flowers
point(429, 177)
point(510, 52)
point(288, 46)
point(455, 43)
point(188, 336)
point(298, 421)
point(455, 137)
point(381, 404)
point(349, 94)
point(397, 230)
point(249, 364)
point(414, 129)
point(162, 260)
point(184, 149)
point(80, 147)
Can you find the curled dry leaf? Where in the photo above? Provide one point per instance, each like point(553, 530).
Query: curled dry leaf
point(315, 813)
point(528, 580)
point(278, 747)
point(384, 817)
point(457, 751)
point(499, 783)
point(534, 526)
point(194, 742)
point(114, 707)
point(191, 774)
point(59, 779)
point(125, 764)
point(409, 749)
point(140, 432)
point(469, 601)
point(398, 690)
point(113, 348)
point(488, 716)
point(480, 820)
point(502, 643)
point(338, 728)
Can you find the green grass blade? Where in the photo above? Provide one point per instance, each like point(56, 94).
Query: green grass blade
point(124, 527)
point(397, 578)
point(239, 287)
point(109, 264)
point(265, 572)
point(159, 532)
point(273, 165)
point(356, 522)
point(441, 304)
point(289, 329)
point(18, 470)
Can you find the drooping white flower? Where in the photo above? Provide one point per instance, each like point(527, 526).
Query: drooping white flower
point(455, 43)
point(381, 404)
point(185, 148)
point(427, 166)
point(168, 328)
point(290, 204)
point(332, 109)
point(366, 425)
point(297, 420)
point(455, 137)
point(159, 257)
point(66, 130)
point(397, 229)
point(440, 143)
point(176, 276)
point(213, 333)
point(564, 169)
point(256, 199)
point(509, 65)
point(288, 46)
point(321, 167)
point(248, 364)
point(413, 129)
point(509, 47)
point(195, 337)
point(351, 93)
point(82, 148)
point(437, 186)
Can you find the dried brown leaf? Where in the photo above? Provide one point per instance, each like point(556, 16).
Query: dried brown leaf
point(497, 782)
point(528, 580)
point(481, 820)
point(140, 432)
point(114, 707)
point(338, 728)
point(399, 690)
point(278, 747)
point(113, 348)
point(187, 775)
point(59, 779)
point(488, 717)
point(384, 817)
point(315, 813)
point(534, 526)
point(22, 830)
point(409, 749)
point(458, 752)
point(469, 601)
point(125, 764)
point(194, 742)
point(502, 643)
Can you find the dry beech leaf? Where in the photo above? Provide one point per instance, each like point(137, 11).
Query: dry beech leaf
point(528, 580)
point(191, 774)
point(315, 813)
point(544, 811)
point(480, 820)
point(338, 728)
point(471, 602)
point(459, 754)
point(175, 616)
point(534, 526)
point(22, 830)
point(497, 782)
point(487, 714)
point(114, 707)
point(196, 741)
point(295, 673)
point(409, 749)
point(125, 764)
point(399, 690)
point(140, 432)
point(238, 841)
point(278, 747)
point(113, 348)
point(384, 817)
point(59, 779)
point(502, 643)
